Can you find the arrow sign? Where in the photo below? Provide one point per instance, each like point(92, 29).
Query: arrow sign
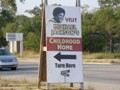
point(59, 56)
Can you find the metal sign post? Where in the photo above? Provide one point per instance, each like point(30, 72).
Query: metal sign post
point(21, 48)
point(78, 4)
point(12, 47)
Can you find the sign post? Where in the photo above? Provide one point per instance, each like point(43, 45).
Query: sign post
point(78, 4)
point(12, 47)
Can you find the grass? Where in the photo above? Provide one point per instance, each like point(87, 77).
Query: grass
point(7, 84)
point(101, 57)
point(28, 54)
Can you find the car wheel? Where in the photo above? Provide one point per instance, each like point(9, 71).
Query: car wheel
point(13, 68)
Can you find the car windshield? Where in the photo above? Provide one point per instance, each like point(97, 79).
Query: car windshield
point(4, 52)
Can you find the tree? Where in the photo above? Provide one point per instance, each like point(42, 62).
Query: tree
point(8, 9)
point(102, 25)
point(108, 3)
point(36, 11)
point(7, 13)
point(106, 24)
point(30, 27)
point(92, 42)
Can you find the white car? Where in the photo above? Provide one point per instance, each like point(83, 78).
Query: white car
point(7, 60)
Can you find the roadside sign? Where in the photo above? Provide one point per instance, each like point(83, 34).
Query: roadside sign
point(64, 44)
point(14, 36)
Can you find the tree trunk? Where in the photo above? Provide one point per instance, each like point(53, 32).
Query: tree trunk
point(111, 46)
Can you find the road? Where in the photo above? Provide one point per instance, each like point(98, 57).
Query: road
point(106, 73)
point(100, 73)
point(25, 70)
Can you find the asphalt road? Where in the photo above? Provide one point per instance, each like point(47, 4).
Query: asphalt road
point(107, 73)
point(25, 70)
point(100, 73)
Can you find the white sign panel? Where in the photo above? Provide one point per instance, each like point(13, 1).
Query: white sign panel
point(14, 36)
point(64, 44)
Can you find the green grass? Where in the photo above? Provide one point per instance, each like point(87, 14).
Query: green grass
point(28, 54)
point(101, 55)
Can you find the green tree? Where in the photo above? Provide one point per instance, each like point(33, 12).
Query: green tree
point(108, 3)
point(92, 41)
point(7, 13)
point(36, 27)
point(34, 43)
point(8, 9)
point(107, 23)
point(30, 27)
point(101, 27)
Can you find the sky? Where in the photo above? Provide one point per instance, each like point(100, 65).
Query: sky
point(30, 4)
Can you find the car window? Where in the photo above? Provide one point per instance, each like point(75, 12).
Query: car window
point(4, 52)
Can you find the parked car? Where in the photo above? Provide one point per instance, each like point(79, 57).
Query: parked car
point(7, 60)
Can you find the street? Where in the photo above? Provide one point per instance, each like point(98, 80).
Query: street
point(108, 74)
point(93, 73)
point(25, 70)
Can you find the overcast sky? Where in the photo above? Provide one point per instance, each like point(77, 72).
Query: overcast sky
point(30, 4)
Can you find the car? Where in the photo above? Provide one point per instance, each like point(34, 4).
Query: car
point(7, 60)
